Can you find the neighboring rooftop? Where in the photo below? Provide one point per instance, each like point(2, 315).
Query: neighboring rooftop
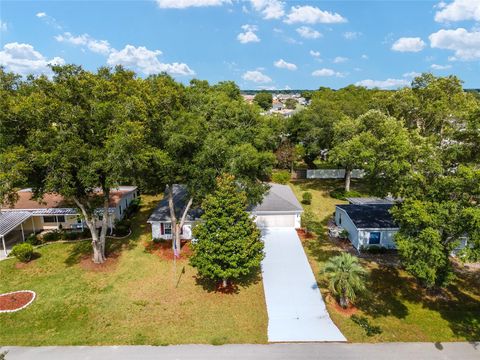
point(370, 216)
point(53, 200)
point(278, 198)
point(9, 220)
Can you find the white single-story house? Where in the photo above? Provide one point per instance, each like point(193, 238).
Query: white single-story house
point(279, 208)
point(367, 224)
point(53, 212)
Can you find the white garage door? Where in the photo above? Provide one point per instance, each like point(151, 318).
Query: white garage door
point(264, 221)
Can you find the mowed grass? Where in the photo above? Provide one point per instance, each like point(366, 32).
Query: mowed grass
point(394, 301)
point(139, 298)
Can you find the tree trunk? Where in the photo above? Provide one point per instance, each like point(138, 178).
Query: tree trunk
point(97, 245)
point(177, 226)
point(348, 177)
point(224, 283)
point(343, 301)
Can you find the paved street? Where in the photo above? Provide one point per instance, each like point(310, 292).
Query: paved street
point(323, 351)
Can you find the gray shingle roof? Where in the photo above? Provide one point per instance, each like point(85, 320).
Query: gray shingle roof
point(162, 211)
point(370, 216)
point(9, 220)
point(279, 198)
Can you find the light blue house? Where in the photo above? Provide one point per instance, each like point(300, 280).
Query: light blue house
point(368, 223)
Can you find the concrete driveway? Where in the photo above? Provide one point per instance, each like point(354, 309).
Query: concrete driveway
point(296, 311)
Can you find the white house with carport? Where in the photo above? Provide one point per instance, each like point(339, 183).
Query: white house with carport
point(29, 215)
point(368, 223)
point(278, 209)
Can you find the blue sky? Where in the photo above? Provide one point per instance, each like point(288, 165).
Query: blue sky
point(259, 43)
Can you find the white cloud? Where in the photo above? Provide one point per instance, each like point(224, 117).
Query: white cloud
point(308, 33)
point(3, 26)
point(282, 64)
point(312, 15)
point(411, 74)
point(256, 76)
point(340, 59)
point(440, 67)
point(352, 35)
point(408, 44)
point(383, 84)
point(248, 35)
point(364, 56)
point(327, 72)
point(183, 4)
point(270, 9)
point(315, 53)
point(465, 44)
point(97, 46)
point(24, 59)
point(458, 10)
point(146, 61)
point(49, 20)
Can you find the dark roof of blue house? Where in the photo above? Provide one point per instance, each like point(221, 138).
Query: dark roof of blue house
point(370, 216)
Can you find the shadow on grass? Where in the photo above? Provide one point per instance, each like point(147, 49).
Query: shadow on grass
point(113, 247)
point(384, 296)
point(233, 287)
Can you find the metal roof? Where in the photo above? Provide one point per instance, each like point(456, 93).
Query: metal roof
point(9, 220)
point(369, 200)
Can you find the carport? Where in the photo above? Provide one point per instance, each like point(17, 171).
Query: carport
point(11, 221)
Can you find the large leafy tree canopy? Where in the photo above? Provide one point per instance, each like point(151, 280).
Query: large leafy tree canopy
point(80, 132)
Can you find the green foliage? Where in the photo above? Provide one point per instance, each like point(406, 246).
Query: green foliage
point(429, 232)
point(291, 103)
point(33, 239)
point(346, 277)
point(362, 321)
point(263, 99)
point(373, 249)
point(228, 244)
point(23, 252)
point(307, 198)
point(281, 176)
point(53, 235)
point(308, 220)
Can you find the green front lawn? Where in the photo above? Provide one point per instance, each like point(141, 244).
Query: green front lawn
point(137, 298)
point(394, 300)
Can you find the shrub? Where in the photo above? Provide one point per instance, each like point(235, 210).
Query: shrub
point(133, 207)
point(281, 177)
point(344, 234)
point(346, 277)
point(54, 235)
point(23, 252)
point(375, 249)
point(341, 194)
point(363, 322)
point(307, 198)
point(70, 235)
point(33, 239)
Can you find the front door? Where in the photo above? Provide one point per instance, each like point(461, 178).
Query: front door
point(187, 231)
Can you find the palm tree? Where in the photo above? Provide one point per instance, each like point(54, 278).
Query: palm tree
point(346, 277)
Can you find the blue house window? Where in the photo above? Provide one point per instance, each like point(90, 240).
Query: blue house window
point(374, 238)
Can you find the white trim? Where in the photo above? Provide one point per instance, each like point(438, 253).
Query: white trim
point(24, 306)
